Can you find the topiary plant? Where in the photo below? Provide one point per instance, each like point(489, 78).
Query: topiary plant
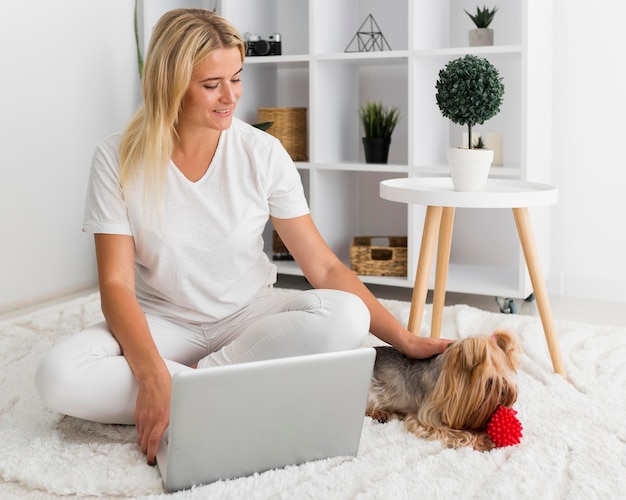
point(469, 92)
point(483, 17)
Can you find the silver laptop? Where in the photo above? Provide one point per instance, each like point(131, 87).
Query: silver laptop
point(232, 421)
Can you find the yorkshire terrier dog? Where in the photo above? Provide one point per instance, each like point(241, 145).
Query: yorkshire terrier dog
point(451, 396)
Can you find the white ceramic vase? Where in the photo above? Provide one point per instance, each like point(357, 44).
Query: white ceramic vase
point(469, 168)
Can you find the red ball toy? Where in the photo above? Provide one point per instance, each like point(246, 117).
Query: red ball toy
point(503, 428)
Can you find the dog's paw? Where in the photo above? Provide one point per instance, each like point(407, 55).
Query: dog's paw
point(483, 443)
point(380, 415)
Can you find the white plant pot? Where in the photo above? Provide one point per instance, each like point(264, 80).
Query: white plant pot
point(469, 168)
point(480, 37)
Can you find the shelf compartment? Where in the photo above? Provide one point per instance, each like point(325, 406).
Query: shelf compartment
point(269, 85)
point(347, 203)
point(336, 131)
point(289, 18)
point(486, 257)
point(444, 23)
point(337, 22)
point(434, 134)
point(305, 176)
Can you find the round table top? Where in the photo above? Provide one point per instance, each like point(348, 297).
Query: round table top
point(498, 193)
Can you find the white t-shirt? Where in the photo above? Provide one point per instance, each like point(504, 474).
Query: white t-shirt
point(201, 258)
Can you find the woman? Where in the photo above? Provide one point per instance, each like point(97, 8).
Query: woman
point(178, 204)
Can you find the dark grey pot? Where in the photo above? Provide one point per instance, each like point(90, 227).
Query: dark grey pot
point(376, 149)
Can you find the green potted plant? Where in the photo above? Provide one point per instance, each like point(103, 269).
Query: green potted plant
point(378, 122)
point(469, 92)
point(482, 35)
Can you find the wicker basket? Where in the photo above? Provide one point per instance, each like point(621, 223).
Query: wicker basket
point(371, 260)
point(290, 127)
point(279, 250)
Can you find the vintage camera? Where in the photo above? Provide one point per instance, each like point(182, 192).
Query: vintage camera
point(259, 46)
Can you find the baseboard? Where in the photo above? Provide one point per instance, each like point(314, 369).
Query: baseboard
point(582, 287)
point(24, 307)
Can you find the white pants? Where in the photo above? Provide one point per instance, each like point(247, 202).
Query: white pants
point(86, 375)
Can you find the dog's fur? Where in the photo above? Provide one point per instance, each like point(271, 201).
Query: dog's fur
point(450, 396)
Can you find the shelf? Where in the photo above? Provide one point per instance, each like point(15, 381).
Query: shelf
point(462, 278)
point(495, 171)
point(278, 61)
point(451, 52)
point(484, 280)
point(287, 267)
point(387, 281)
point(364, 167)
point(358, 58)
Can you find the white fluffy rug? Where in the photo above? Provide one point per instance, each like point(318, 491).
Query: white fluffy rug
point(574, 443)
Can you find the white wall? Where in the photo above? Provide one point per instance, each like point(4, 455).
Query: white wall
point(69, 78)
point(589, 106)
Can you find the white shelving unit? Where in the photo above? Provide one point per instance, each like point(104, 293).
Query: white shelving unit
point(316, 72)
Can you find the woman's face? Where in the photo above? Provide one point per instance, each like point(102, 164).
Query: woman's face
point(213, 92)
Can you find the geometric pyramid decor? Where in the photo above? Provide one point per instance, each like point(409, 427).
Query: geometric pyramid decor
point(368, 38)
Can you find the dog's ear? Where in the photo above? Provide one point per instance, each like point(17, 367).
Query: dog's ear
point(509, 343)
point(465, 359)
point(460, 395)
point(469, 354)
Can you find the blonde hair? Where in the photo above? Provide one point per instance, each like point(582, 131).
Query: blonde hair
point(181, 39)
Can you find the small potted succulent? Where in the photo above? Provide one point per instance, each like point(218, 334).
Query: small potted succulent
point(469, 92)
point(482, 35)
point(378, 122)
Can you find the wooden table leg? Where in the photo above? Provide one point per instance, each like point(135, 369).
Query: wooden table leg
point(524, 229)
point(441, 273)
point(424, 267)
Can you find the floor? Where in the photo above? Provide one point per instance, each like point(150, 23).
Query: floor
point(563, 308)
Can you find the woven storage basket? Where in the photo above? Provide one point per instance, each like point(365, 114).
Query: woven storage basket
point(289, 126)
point(279, 250)
point(371, 260)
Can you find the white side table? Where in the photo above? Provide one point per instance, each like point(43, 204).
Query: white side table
point(441, 200)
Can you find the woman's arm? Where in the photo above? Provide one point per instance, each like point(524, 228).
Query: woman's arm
point(323, 269)
point(115, 255)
